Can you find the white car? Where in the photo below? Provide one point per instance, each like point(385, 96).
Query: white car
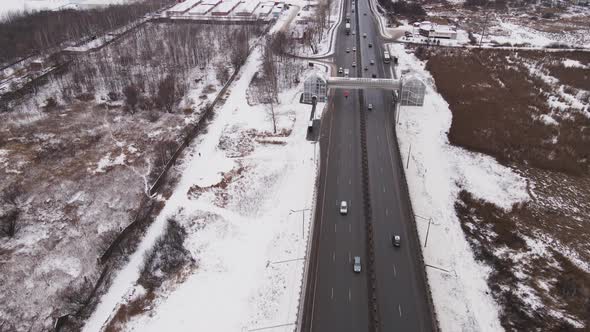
point(356, 267)
point(370, 107)
point(340, 71)
point(354, 49)
point(364, 35)
point(353, 64)
point(372, 62)
point(347, 50)
point(343, 207)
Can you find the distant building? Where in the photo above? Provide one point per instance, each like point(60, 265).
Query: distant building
point(246, 8)
point(182, 7)
point(433, 30)
point(224, 8)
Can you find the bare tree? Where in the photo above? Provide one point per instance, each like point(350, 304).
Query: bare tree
point(131, 97)
point(241, 49)
point(166, 93)
point(10, 210)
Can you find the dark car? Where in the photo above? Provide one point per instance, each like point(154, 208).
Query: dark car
point(396, 240)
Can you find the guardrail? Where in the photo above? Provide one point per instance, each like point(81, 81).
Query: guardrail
point(435, 322)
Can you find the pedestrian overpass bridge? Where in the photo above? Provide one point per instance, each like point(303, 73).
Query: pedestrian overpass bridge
point(409, 89)
point(363, 83)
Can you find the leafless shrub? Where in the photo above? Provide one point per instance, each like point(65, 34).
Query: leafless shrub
point(50, 103)
point(131, 97)
point(472, 39)
point(76, 294)
point(113, 96)
point(167, 256)
point(166, 93)
point(163, 152)
point(10, 205)
point(9, 220)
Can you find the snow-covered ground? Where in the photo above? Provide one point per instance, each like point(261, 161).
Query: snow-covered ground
point(7, 6)
point(437, 172)
point(249, 245)
point(328, 41)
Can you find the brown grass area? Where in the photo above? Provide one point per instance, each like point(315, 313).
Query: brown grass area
point(221, 195)
point(496, 103)
point(127, 311)
point(552, 279)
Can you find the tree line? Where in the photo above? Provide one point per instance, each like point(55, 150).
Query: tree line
point(25, 33)
point(152, 67)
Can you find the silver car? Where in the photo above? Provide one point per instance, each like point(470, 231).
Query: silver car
point(357, 264)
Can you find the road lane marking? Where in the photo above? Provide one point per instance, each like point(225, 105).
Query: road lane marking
point(349, 228)
point(383, 188)
point(349, 295)
point(349, 257)
point(381, 170)
point(332, 296)
point(394, 271)
point(399, 307)
point(334, 228)
point(334, 256)
point(386, 212)
point(350, 181)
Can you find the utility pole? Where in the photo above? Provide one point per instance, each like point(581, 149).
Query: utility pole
point(485, 23)
point(409, 152)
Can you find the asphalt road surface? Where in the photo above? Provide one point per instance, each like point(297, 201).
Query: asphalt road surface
point(338, 298)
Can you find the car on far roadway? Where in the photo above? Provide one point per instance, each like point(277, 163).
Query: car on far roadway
point(370, 107)
point(347, 50)
point(370, 44)
point(353, 64)
point(374, 76)
point(356, 267)
point(396, 240)
point(372, 62)
point(343, 207)
point(345, 94)
point(354, 49)
point(366, 68)
point(340, 70)
point(364, 35)
point(365, 14)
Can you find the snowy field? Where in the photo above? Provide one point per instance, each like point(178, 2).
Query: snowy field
point(7, 6)
point(437, 172)
point(240, 186)
point(249, 249)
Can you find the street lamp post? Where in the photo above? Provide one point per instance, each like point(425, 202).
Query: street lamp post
point(302, 219)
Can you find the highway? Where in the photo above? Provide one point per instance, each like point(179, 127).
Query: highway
point(337, 299)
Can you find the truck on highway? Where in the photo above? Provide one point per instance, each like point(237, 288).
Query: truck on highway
point(386, 57)
point(347, 25)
